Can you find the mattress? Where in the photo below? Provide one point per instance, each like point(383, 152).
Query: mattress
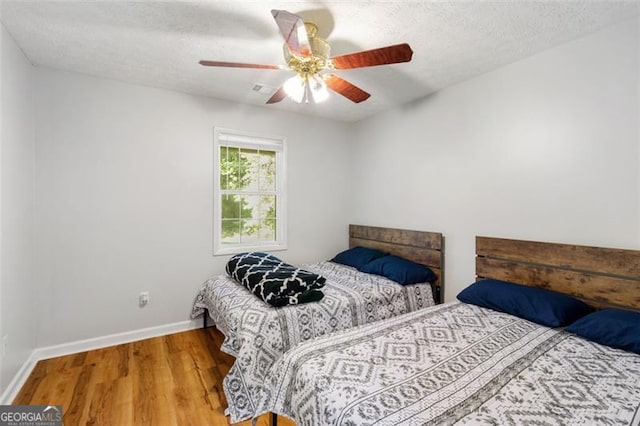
point(257, 334)
point(455, 364)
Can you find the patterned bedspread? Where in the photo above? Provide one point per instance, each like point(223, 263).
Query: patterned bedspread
point(455, 364)
point(257, 334)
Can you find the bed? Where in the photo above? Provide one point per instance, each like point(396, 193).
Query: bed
point(257, 334)
point(458, 363)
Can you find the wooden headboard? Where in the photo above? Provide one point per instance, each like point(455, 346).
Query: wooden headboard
point(426, 248)
point(602, 277)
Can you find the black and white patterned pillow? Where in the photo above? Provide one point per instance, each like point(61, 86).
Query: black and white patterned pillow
point(273, 281)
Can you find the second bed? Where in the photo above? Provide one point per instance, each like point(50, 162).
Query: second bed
point(459, 363)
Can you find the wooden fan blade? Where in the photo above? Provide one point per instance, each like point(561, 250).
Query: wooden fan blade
point(240, 65)
point(278, 96)
point(370, 58)
point(294, 33)
point(346, 89)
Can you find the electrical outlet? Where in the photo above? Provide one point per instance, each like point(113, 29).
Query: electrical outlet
point(5, 343)
point(143, 299)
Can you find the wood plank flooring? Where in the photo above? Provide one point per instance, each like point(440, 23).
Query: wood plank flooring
point(168, 380)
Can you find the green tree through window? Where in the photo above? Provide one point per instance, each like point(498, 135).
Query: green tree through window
point(248, 179)
point(233, 175)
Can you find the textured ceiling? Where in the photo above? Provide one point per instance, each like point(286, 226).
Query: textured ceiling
point(159, 43)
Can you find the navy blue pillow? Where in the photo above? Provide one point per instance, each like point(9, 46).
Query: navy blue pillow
point(357, 256)
point(534, 304)
point(400, 270)
point(612, 327)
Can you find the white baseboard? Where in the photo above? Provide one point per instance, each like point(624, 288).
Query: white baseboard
point(18, 380)
point(114, 339)
point(47, 352)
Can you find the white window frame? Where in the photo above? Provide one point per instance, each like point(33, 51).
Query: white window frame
point(242, 139)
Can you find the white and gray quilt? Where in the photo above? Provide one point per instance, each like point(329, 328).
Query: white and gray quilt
point(454, 364)
point(257, 334)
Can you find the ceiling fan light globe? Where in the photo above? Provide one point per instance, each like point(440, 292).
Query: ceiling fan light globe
point(295, 88)
point(319, 90)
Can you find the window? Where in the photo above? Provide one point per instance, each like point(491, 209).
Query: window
point(249, 198)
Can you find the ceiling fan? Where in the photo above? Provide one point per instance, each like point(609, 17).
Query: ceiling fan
point(309, 56)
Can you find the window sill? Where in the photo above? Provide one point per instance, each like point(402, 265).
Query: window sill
point(223, 251)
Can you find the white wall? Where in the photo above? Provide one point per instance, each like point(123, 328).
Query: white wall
point(544, 149)
point(18, 307)
point(124, 190)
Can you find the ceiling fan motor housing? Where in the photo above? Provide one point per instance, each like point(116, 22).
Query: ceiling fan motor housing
point(320, 53)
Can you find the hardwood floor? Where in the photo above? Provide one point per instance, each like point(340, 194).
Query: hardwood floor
point(169, 380)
